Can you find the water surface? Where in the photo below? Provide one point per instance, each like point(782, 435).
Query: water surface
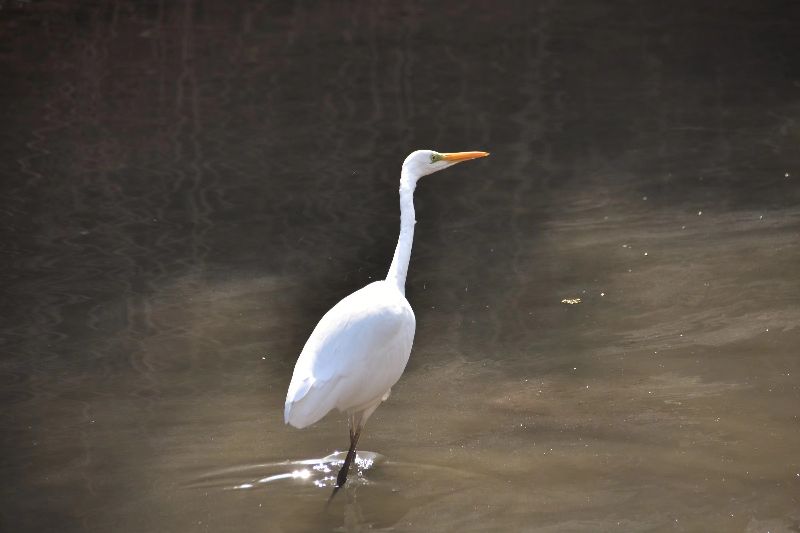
point(188, 186)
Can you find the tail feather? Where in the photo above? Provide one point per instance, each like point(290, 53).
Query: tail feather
point(308, 407)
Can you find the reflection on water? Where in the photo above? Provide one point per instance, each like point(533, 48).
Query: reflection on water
point(188, 186)
point(313, 471)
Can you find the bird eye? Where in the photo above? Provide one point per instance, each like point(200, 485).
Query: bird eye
point(435, 157)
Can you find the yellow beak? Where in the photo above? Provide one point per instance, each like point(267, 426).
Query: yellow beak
point(463, 156)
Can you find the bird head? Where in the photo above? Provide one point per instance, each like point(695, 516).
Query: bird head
point(424, 162)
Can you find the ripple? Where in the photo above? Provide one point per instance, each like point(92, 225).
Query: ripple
point(318, 472)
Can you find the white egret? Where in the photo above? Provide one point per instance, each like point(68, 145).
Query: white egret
point(359, 348)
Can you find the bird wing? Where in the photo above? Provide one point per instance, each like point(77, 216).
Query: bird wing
point(357, 351)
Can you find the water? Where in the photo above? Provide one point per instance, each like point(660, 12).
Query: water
point(188, 186)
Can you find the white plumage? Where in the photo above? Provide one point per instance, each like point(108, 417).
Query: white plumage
point(360, 348)
point(356, 353)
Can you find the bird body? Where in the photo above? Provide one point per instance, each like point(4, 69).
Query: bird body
point(359, 348)
point(354, 356)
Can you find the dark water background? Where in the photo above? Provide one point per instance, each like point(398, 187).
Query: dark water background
point(188, 185)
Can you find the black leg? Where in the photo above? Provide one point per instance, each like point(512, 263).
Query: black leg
point(348, 460)
point(351, 455)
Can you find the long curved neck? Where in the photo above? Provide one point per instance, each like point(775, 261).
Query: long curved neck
point(402, 254)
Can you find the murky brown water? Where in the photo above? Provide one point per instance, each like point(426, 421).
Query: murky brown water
point(188, 186)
